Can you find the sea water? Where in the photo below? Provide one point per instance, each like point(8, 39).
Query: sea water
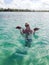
point(11, 40)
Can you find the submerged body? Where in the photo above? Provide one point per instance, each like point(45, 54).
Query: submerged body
point(28, 35)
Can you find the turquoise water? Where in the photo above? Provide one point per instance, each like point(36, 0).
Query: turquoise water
point(12, 41)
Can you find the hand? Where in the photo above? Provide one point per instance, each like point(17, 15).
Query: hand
point(36, 29)
point(18, 27)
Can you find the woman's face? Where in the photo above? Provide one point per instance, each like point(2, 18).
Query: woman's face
point(28, 28)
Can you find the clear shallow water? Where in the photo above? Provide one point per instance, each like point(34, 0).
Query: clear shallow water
point(11, 39)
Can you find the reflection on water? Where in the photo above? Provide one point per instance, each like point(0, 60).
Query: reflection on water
point(12, 50)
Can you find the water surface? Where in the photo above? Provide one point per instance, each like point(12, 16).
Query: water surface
point(11, 39)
